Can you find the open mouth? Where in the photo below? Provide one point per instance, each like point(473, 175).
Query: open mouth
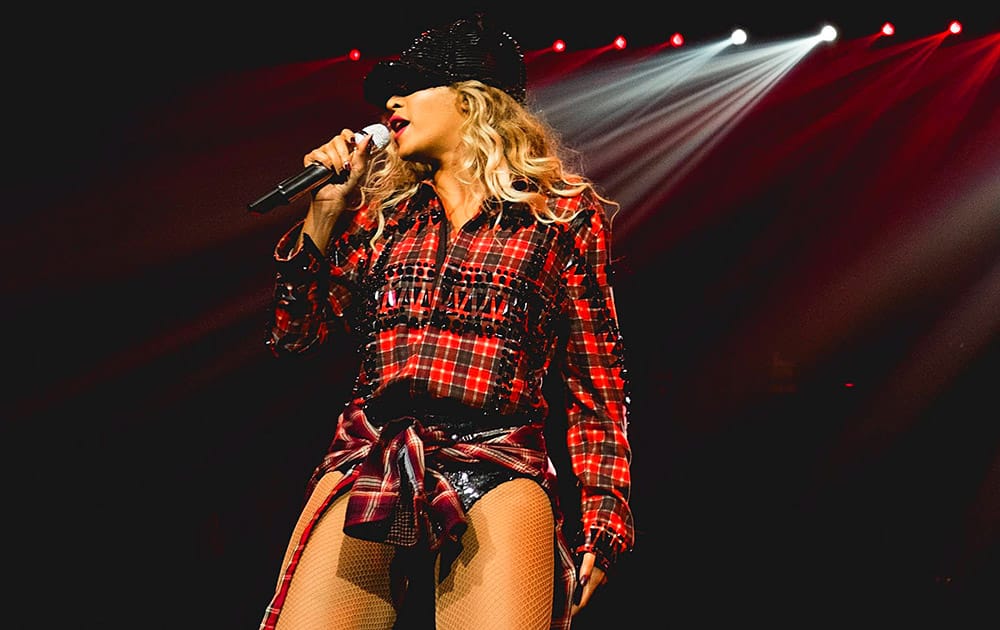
point(397, 124)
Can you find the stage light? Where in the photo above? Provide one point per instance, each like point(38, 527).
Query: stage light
point(620, 42)
point(828, 33)
point(355, 54)
point(955, 27)
point(559, 45)
point(738, 37)
point(677, 40)
point(888, 29)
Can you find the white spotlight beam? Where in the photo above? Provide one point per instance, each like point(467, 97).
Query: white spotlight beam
point(644, 125)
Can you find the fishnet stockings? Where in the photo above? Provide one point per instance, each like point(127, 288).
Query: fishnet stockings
point(340, 582)
point(502, 579)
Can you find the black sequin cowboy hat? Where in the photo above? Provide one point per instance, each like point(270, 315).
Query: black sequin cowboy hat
point(469, 48)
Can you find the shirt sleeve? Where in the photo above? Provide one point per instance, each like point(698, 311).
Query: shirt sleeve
point(597, 401)
point(312, 292)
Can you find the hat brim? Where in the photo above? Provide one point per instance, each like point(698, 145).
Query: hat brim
point(398, 78)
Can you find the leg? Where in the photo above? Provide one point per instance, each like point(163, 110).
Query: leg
point(503, 578)
point(340, 583)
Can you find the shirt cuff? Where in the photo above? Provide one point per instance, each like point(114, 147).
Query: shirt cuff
point(307, 262)
point(606, 545)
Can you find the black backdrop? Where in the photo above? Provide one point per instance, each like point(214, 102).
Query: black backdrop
point(157, 454)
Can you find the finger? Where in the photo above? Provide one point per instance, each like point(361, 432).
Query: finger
point(584, 593)
point(318, 156)
point(343, 149)
point(335, 153)
point(583, 588)
point(356, 147)
point(361, 147)
point(587, 564)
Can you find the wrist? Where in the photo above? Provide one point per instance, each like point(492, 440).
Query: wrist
point(319, 224)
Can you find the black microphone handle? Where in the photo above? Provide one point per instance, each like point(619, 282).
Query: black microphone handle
point(295, 186)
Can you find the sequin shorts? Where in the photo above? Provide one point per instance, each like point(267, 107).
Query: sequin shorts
point(471, 482)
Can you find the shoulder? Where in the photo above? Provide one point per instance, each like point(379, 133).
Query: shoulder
point(585, 209)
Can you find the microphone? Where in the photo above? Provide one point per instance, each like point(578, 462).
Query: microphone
point(315, 175)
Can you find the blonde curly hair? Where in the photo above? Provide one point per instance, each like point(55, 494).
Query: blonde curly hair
point(506, 151)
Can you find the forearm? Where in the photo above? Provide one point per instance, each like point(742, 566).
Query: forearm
point(321, 223)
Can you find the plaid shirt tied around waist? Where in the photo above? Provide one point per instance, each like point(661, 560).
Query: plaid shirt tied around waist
point(397, 495)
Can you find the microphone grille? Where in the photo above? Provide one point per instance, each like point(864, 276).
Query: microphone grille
point(379, 133)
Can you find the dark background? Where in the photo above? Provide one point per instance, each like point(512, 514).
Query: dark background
point(156, 454)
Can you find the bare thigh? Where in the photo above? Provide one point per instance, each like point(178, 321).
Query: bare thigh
point(503, 578)
point(340, 583)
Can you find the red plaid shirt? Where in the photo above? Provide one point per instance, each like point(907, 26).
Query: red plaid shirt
point(480, 318)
